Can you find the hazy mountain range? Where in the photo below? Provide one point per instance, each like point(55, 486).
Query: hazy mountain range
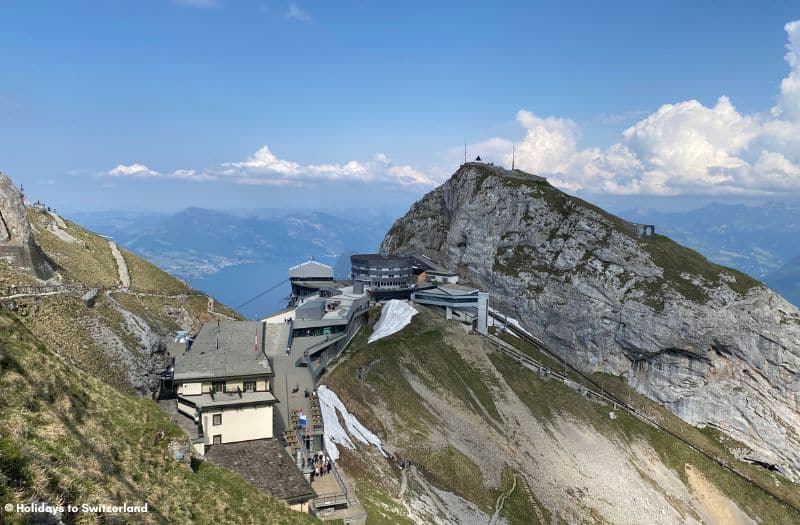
point(762, 241)
point(236, 256)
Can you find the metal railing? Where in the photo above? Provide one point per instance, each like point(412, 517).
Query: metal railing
point(331, 499)
point(611, 398)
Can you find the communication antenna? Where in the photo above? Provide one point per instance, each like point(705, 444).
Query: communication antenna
point(513, 151)
point(465, 150)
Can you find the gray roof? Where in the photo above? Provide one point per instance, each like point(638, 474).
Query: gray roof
point(265, 464)
point(452, 289)
point(225, 349)
point(426, 263)
point(311, 269)
point(381, 260)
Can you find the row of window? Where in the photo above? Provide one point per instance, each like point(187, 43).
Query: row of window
point(438, 298)
point(218, 387)
point(364, 269)
point(319, 330)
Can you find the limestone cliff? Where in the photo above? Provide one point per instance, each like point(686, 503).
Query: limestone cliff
point(713, 345)
point(17, 245)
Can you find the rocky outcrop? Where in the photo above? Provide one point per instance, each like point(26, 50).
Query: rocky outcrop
point(17, 246)
point(711, 344)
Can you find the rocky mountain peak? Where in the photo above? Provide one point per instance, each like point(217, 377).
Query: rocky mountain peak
point(14, 226)
point(713, 345)
point(17, 245)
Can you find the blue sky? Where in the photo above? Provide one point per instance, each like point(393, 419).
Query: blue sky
point(162, 104)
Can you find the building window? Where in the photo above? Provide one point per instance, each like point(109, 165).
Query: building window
point(218, 439)
point(216, 420)
point(218, 386)
point(249, 386)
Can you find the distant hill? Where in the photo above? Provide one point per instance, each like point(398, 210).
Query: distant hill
point(757, 240)
point(786, 280)
point(235, 256)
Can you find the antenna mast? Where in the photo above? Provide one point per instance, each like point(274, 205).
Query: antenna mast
point(465, 150)
point(513, 151)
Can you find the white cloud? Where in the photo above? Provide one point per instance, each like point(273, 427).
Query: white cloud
point(789, 103)
point(142, 171)
point(680, 148)
point(263, 161)
point(295, 13)
point(264, 168)
point(139, 170)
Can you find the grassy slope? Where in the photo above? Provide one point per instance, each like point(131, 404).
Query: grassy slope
point(62, 321)
point(66, 437)
point(68, 431)
point(424, 347)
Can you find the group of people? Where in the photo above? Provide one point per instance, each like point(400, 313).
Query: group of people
point(322, 464)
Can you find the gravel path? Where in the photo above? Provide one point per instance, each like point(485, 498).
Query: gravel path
point(122, 267)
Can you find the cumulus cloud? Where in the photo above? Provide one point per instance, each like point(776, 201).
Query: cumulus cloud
point(138, 170)
point(680, 148)
point(789, 103)
point(264, 168)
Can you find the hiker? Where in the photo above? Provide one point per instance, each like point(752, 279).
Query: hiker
point(328, 466)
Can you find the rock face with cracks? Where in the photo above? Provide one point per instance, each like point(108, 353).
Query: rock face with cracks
point(17, 245)
point(713, 345)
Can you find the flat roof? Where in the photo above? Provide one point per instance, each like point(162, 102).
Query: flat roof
point(381, 258)
point(451, 289)
point(441, 272)
point(225, 349)
point(340, 315)
point(265, 464)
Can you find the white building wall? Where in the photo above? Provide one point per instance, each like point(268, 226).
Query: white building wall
point(190, 389)
point(239, 424)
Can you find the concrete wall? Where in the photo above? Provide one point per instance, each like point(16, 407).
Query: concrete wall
point(279, 318)
point(239, 424)
point(299, 507)
point(186, 409)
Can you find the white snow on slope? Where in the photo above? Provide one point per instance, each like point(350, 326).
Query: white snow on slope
point(395, 316)
point(516, 324)
point(335, 434)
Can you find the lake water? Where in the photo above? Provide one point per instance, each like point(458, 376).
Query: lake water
point(237, 284)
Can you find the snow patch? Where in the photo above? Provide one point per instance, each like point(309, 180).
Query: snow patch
point(395, 316)
point(335, 434)
point(510, 320)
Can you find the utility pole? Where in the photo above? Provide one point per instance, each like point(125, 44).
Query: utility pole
point(513, 153)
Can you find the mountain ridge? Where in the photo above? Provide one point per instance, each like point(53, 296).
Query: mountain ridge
point(681, 330)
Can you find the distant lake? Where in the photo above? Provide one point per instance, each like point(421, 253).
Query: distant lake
point(237, 284)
